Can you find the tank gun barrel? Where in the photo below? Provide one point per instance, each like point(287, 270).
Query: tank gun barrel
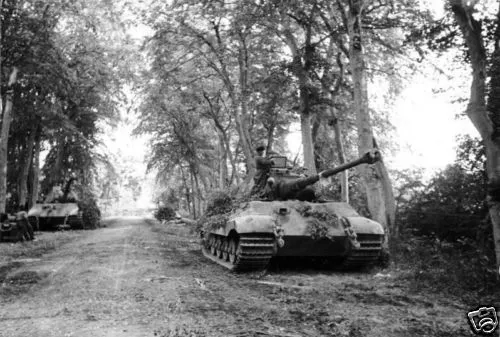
point(286, 190)
point(369, 157)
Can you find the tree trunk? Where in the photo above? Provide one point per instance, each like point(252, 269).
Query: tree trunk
point(226, 148)
point(387, 193)
point(199, 195)
point(36, 169)
point(4, 139)
point(493, 170)
point(477, 110)
point(59, 176)
point(379, 202)
point(270, 137)
point(243, 113)
point(234, 174)
point(194, 195)
point(25, 170)
point(300, 69)
point(332, 94)
point(222, 163)
point(186, 188)
point(307, 143)
point(344, 176)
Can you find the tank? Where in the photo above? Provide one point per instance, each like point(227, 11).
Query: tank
point(58, 212)
point(287, 220)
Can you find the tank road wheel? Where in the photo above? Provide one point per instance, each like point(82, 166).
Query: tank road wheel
point(231, 250)
point(218, 248)
point(224, 256)
point(209, 242)
point(212, 244)
point(245, 253)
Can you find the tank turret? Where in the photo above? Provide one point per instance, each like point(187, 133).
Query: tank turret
point(284, 185)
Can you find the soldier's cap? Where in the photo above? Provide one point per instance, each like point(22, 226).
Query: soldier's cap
point(260, 148)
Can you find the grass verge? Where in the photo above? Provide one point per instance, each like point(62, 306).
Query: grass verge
point(13, 256)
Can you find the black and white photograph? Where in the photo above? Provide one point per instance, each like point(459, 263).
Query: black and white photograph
point(249, 168)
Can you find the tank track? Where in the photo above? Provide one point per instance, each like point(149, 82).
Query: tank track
point(370, 246)
point(247, 252)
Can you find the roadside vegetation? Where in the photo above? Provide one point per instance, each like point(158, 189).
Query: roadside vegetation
point(445, 243)
point(14, 255)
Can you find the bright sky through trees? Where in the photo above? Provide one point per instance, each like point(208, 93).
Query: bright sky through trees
point(425, 144)
point(418, 143)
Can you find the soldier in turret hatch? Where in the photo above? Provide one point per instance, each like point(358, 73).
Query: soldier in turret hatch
point(263, 165)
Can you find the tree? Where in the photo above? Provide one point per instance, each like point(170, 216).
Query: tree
point(483, 106)
point(254, 61)
point(4, 138)
point(70, 73)
point(381, 201)
point(302, 67)
point(224, 62)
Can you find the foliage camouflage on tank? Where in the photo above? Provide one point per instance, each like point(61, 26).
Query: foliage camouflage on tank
point(318, 221)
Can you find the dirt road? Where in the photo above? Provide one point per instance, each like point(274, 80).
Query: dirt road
point(138, 278)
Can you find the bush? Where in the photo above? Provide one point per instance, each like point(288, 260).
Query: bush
point(219, 202)
point(462, 268)
point(452, 204)
point(164, 213)
point(446, 238)
point(219, 206)
point(91, 214)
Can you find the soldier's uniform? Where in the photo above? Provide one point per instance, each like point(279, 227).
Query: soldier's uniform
point(24, 224)
point(263, 165)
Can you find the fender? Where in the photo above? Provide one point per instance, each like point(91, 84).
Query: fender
point(363, 225)
point(249, 224)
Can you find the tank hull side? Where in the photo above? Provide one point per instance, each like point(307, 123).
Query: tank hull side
point(53, 216)
point(54, 210)
point(51, 223)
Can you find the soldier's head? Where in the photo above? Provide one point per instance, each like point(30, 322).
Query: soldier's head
point(260, 150)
